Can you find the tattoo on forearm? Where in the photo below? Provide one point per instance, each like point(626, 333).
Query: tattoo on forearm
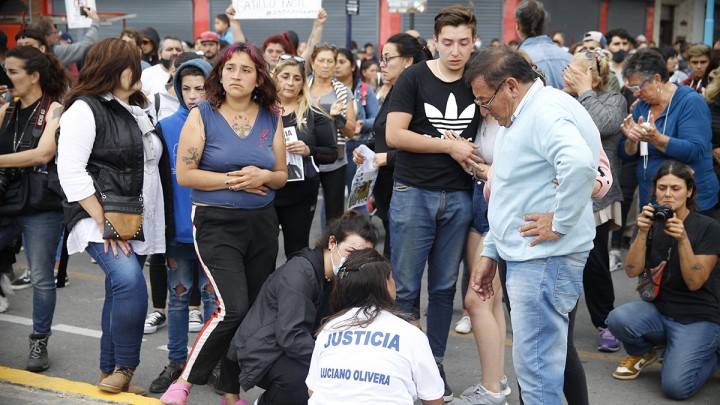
point(697, 267)
point(193, 159)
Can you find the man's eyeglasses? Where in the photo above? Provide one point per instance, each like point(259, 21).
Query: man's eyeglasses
point(287, 56)
point(636, 89)
point(487, 105)
point(386, 59)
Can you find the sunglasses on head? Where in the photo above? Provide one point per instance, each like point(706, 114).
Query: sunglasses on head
point(326, 46)
point(287, 56)
point(595, 54)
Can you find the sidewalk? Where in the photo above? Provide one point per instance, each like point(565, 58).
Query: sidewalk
point(23, 387)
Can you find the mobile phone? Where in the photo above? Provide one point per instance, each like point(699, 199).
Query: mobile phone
point(83, 11)
point(5, 80)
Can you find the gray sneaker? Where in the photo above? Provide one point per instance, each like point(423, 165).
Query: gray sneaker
point(481, 396)
point(38, 357)
point(504, 388)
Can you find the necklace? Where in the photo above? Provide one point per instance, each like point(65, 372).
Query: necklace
point(16, 140)
point(437, 63)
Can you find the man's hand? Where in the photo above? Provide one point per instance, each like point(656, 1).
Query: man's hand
point(482, 277)
point(539, 225)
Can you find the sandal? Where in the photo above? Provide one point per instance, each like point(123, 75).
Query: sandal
point(176, 394)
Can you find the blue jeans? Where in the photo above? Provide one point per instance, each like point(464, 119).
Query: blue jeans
point(123, 313)
point(428, 226)
point(186, 264)
point(692, 349)
point(42, 233)
point(542, 292)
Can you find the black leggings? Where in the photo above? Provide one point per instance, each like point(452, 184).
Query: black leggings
point(575, 386)
point(597, 282)
point(158, 283)
point(237, 249)
point(628, 183)
point(333, 184)
point(296, 219)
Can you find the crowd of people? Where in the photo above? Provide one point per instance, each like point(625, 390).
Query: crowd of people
point(514, 167)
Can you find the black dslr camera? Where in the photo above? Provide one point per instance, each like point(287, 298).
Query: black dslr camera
point(8, 176)
point(662, 212)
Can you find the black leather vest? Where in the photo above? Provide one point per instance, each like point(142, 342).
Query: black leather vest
point(116, 161)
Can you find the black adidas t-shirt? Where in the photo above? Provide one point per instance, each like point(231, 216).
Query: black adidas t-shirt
point(436, 106)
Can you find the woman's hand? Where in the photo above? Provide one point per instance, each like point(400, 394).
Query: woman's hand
point(632, 130)
point(114, 244)
point(337, 108)
point(358, 158)
point(298, 148)
point(674, 227)
point(358, 126)
point(248, 178)
point(646, 218)
point(380, 160)
point(577, 82)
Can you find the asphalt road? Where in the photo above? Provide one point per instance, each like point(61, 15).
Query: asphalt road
point(74, 348)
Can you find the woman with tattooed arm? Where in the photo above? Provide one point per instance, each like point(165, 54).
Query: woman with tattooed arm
point(232, 154)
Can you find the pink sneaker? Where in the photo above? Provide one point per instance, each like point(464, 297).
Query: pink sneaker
point(240, 402)
point(176, 394)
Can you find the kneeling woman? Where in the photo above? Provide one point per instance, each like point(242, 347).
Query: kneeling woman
point(275, 341)
point(365, 353)
point(685, 315)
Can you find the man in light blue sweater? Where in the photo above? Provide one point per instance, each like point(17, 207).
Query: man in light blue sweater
point(548, 138)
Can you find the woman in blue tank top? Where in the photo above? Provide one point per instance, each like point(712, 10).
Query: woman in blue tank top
point(232, 154)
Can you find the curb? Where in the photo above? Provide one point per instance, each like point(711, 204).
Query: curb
point(39, 381)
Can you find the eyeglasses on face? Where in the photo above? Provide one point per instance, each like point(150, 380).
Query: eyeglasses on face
point(637, 88)
point(492, 98)
point(287, 56)
point(386, 59)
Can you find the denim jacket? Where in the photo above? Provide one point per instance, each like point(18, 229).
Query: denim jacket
point(550, 58)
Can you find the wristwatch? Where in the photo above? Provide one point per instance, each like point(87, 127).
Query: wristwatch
point(559, 234)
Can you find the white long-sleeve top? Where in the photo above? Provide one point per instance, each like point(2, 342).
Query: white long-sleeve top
point(77, 136)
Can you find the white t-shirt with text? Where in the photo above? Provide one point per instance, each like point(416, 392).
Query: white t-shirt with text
point(387, 362)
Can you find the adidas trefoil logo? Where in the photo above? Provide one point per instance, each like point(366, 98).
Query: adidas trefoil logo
point(450, 121)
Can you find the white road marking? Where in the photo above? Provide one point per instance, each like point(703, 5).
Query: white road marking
point(59, 327)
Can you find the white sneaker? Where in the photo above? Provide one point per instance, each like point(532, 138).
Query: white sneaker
point(195, 321)
point(4, 304)
point(463, 325)
point(616, 262)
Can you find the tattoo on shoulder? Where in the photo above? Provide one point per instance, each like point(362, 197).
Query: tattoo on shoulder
point(57, 111)
point(697, 267)
point(192, 158)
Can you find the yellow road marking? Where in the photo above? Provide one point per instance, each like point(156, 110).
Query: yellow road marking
point(26, 378)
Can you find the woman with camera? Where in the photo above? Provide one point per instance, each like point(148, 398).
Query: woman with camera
point(109, 163)
point(28, 208)
point(677, 248)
